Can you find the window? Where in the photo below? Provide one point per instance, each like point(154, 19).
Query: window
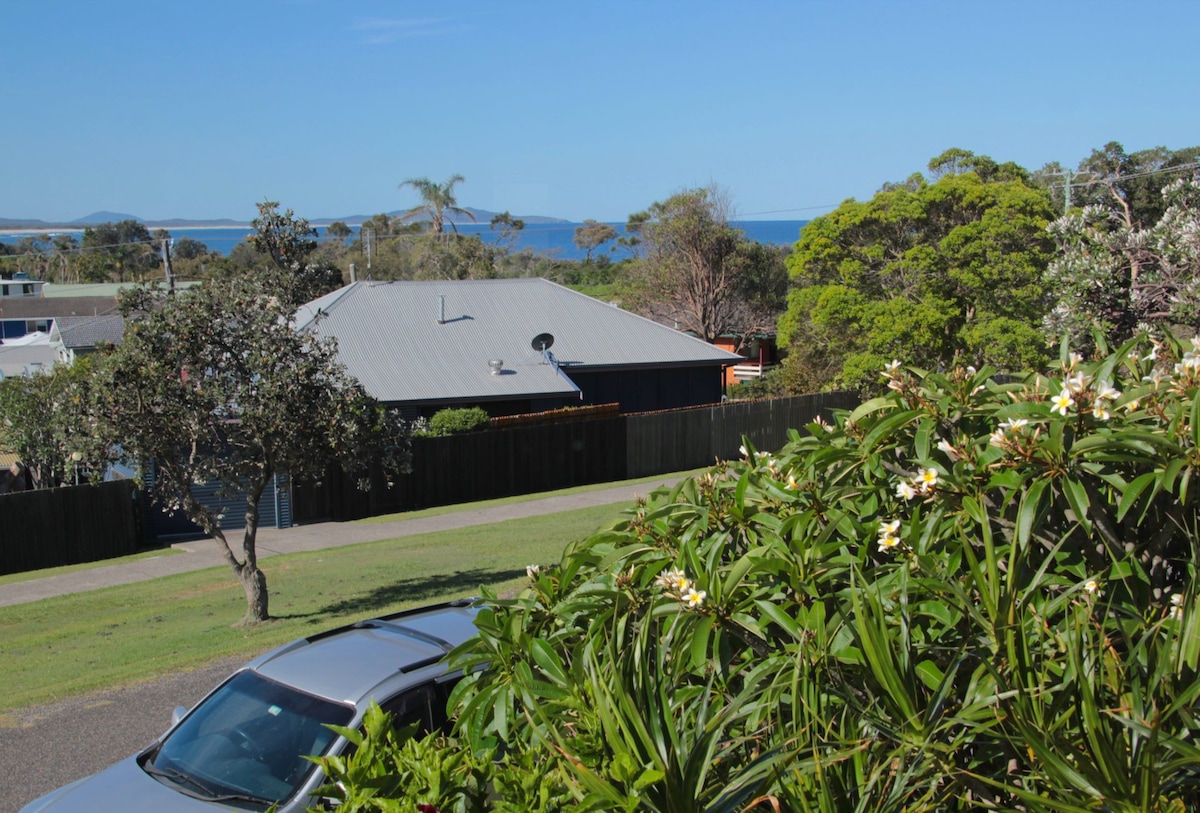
point(424, 705)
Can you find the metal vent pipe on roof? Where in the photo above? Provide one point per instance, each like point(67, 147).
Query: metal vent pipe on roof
point(441, 309)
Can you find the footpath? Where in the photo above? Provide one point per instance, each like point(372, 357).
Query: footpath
point(202, 553)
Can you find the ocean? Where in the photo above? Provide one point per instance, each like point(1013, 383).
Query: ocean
point(554, 239)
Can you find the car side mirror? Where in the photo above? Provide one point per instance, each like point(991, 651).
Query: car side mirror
point(177, 715)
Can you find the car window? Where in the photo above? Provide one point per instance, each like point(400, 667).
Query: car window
point(424, 705)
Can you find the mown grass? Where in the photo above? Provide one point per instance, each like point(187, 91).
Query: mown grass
point(71, 645)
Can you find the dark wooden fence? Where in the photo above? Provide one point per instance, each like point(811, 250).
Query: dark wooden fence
point(526, 459)
point(69, 525)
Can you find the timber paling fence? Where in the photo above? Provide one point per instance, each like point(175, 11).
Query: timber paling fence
point(69, 525)
point(527, 459)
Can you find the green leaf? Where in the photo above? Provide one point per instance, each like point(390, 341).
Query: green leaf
point(700, 637)
point(1133, 491)
point(874, 405)
point(930, 674)
point(1076, 495)
point(548, 661)
point(1027, 513)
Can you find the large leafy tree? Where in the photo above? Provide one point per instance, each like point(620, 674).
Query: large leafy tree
point(592, 234)
point(437, 199)
point(45, 422)
point(928, 273)
point(1116, 276)
point(215, 385)
point(695, 266)
point(118, 251)
point(1130, 185)
point(290, 244)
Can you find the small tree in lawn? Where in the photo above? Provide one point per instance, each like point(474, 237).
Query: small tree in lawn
point(215, 385)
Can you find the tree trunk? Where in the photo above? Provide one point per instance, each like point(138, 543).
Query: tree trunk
point(254, 582)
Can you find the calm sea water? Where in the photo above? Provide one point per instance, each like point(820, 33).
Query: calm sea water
point(554, 239)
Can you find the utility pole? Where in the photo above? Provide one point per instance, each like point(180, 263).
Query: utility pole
point(167, 269)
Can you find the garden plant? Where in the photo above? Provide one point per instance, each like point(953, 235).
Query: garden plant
point(970, 593)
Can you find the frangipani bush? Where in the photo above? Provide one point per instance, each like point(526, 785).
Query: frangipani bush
point(965, 594)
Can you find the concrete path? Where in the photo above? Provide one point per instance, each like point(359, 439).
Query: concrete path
point(202, 553)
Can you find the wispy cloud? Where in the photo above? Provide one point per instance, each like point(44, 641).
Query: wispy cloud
point(380, 31)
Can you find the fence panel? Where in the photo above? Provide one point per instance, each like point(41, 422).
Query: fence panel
point(526, 459)
point(69, 525)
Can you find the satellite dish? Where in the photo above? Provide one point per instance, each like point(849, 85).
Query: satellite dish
point(542, 342)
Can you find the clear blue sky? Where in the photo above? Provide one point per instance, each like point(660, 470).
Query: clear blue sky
point(564, 108)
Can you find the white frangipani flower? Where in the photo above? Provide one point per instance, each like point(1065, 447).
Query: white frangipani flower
point(1062, 403)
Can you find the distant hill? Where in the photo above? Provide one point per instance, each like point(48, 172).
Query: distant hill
point(481, 216)
point(103, 217)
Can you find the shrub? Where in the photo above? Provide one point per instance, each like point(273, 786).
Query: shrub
point(963, 595)
point(457, 421)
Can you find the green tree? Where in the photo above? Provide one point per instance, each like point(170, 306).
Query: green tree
point(44, 421)
point(591, 235)
point(933, 274)
point(1117, 278)
point(214, 385)
point(1130, 185)
point(509, 228)
point(290, 243)
point(691, 271)
point(124, 251)
point(459, 257)
point(436, 201)
point(631, 241)
point(337, 230)
point(187, 248)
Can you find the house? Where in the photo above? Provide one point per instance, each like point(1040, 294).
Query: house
point(761, 354)
point(26, 356)
point(20, 287)
point(29, 314)
point(74, 336)
point(510, 346)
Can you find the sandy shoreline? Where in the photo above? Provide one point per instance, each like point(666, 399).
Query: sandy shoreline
point(80, 229)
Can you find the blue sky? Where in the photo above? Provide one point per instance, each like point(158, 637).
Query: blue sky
point(563, 108)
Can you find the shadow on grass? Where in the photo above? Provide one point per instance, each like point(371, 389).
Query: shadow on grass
point(412, 590)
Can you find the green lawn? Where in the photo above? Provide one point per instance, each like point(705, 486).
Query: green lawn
point(74, 644)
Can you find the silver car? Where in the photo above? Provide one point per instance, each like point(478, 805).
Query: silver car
point(243, 746)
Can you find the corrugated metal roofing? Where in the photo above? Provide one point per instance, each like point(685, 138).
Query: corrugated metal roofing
point(389, 337)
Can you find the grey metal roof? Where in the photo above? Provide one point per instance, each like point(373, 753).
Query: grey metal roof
point(87, 331)
point(37, 307)
point(389, 337)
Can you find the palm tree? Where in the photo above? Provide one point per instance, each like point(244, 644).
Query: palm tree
point(436, 200)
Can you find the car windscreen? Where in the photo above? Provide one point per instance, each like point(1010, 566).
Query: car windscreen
point(247, 742)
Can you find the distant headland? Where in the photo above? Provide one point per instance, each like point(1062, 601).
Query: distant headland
point(8, 224)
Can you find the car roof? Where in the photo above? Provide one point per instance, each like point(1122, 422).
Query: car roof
point(346, 664)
